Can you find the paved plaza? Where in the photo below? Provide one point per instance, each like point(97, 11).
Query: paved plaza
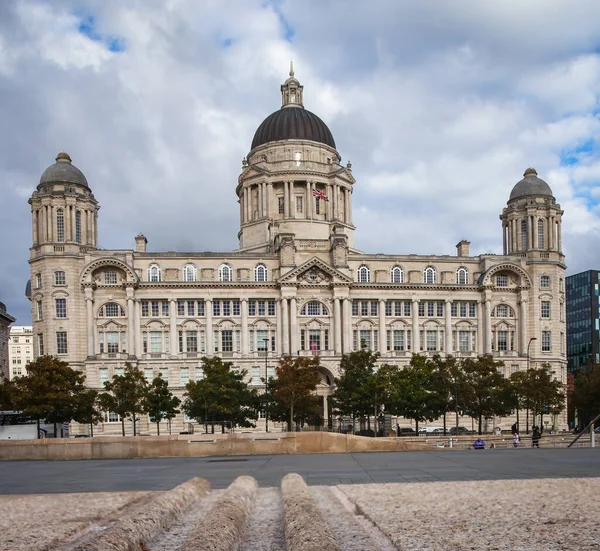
point(112, 475)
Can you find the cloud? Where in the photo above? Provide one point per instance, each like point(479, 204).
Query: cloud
point(439, 110)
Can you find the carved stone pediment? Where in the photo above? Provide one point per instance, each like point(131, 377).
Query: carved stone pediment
point(314, 275)
point(315, 272)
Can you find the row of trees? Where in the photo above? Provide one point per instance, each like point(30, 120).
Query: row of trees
point(425, 390)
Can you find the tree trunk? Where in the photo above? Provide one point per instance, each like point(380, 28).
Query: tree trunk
point(38, 428)
point(123, 425)
point(158, 428)
point(480, 423)
point(55, 435)
point(417, 426)
point(169, 426)
point(92, 429)
point(527, 420)
point(133, 418)
point(444, 423)
point(292, 417)
point(518, 417)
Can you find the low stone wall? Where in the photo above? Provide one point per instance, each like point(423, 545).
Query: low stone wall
point(199, 445)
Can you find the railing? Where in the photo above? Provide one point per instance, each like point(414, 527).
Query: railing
point(589, 427)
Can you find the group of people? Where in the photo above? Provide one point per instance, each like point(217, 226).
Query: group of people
point(536, 435)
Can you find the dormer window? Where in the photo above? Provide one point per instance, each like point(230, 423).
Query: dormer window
point(154, 273)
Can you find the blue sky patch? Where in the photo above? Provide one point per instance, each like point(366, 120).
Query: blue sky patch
point(573, 156)
point(288, 30)
point(87, 28)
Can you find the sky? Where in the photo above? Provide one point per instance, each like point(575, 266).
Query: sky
point(440, 107)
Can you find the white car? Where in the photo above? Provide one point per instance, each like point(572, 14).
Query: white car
point(431, 430)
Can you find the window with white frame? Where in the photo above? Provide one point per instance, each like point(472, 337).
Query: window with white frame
point(60, 225)
point(61, 342)
point(464, 341)
point(111, 310)
point(502, 280)
point(149, 374)
point(39, 310)
point(225, 273)
point(38, 281)
point(299, 204)
point(61, 307)
point(40, 339)
point(199, 373)
point(164, 373)
point(103, 375)
point(364, 275)
point(111, 417)
point(397, 275)
point(503, 311)
point(546, 341)
point(110, 277)
point(190, 273)
point(431, 339)
point(78, 226)
point(227, 340)
point(60, 278)
point(255, 376)
point(260, 273)
point(313, 308)
point(281, 204)
point(429, 275)
point(540, 229)
point(462, 276)
point(184, 376)
point(524, 235)
point(502, 338)
point(154, 274)
point(545, 309)
point(545, 282)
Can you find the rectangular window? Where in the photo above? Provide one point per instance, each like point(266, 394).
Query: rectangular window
point(148, 374)
point(111, 417)
point(155, 342)
point(38, 281)
point(545, 282)
point(144, 342)
point(164, 373)
point(180, 339)
point(355, 339)
point(251, 341)
point(184, 375)
point(501, 280)
point(103, 375)
point(463, 341)
point(354, 308)
point(463, 309)
point(216, 308)
point(365, 339)
point(281, 204)
point(472, 307)
point(255, 376)
point(562, 343)
point(227, 340)
point(326, 338)
point(200, 304)
point(238, 341)
point(432, 340)
point(155, 308)
point(440, 309)
point(388, 307)
point(227, 308)
point(271, 308)
point(61, 307)
point(112, 342)
point(165, 308)
point(314, 340)
point(236, 307)
point(299, 205)
point(302, 339)
point(397, 308)
point(61, 343)
point(454, 309)
point(145, 310)
point(261, 308)
point(191, 341)
point(421, 309)
point(59, 278)
point(502, 340)
point(252, 308)
point(313, 308)
point(261, 337)
point(199, 374)
point(202, 342)
point(546, 309)
point(364, 308)
point(398, 339)
point(407, 306)
point(374, 308)
point(191, 308)
point(317, 206)
point(546, 341)
point(110, 278)
point(41, 344)
point(181, 308)
point(40, 311)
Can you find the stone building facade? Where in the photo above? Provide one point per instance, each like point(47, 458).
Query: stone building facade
point(296, 285)
point(20, 350)
point(5, 321)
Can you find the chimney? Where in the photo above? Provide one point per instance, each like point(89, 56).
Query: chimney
point(140, 243)
point(462, 249)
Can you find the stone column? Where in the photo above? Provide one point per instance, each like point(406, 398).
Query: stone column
point(480, 329)
point(329, 203)
point(243, 201)
point(308, 200)
point(286, 200)
point(269, 191)
point(337, 326)
point(416, 336)
point(530, 231)
point(448, 328)
point(293, 327)
point(325, 410)
point(67, 224)
point(91, 330)
point(52, 222)
point(382, 333)
point(245, 334)
point(349, 206)
point(550, 227)
point(291, 196)
point(94, 227)
point(138, 329)
point(131, 322)
point(209, 327)
point(278, 333)
point(285, 326)
point(559, 236)
point(504, 238)
point(347, 326)
point(488, 326)
point(523, 326)
point(174, 342)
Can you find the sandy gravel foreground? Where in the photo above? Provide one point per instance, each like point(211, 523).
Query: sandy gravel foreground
point(40, 522)
point(516, 515)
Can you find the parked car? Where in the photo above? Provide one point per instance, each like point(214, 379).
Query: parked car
point(406, 431)
point(461, 430)
point(431, 430)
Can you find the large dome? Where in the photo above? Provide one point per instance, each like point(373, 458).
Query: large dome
point(530, 185)
point(63, 172)
point(293, 123)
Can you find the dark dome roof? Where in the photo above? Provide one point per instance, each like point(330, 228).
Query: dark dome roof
point(292, 123)
point(530, 185)
point(63, 172)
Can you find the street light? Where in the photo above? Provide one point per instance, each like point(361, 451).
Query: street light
point(266, 341)
point(527, 411)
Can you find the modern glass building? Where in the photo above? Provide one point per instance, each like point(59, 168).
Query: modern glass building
point(583, 319)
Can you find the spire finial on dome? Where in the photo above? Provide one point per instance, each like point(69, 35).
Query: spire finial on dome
point(291, 91)
point(63, 157)
point(530, 172)
point(291, 68)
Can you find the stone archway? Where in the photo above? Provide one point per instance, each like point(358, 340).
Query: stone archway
point(325, 388)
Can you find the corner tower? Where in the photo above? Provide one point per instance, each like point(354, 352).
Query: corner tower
point(293, 188)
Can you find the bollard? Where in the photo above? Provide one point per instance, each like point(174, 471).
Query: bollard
point(450, 442)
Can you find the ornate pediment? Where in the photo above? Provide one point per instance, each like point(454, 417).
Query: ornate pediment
point(315, 272)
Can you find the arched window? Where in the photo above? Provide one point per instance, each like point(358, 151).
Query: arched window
point(260, 273)
point(524, 236)
point(364, 276)
point(462, 276)
point(397, 275)
point(154, 273)
point(60, 225)
point(59, 278)
point(111, 310)
point(429, 275)
point(78, 226)
point(190, 273)
point(540, 234)
point(226, 273)
point(313, 308)
point(503, 311)
point(545, 282)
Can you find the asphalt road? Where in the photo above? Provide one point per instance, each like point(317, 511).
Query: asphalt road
point(108, 475)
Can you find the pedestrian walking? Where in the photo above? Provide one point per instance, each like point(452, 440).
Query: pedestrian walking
point(535, 437)
point(515, 439)
point(514, 429)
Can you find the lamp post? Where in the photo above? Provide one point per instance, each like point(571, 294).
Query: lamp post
point(527, 410)
point(266, 341)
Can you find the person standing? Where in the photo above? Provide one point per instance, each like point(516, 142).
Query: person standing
point(535, 437)
point(515, 439)
point(514, 429)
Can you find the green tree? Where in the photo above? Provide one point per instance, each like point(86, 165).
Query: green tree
point(51, 390)
point(358, 391)
point(296, 381)
point(88, 412)
point(125, 395)
point(546, 393)
point(519, 394)
point(7, 391)
point(585, 395)
point(487, 392)
point(222, 396)
point(447, 383)
point(160, 403)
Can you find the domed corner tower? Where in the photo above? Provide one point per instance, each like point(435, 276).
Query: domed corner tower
point(293, 189)
point(531, 221)
point(64, 211)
